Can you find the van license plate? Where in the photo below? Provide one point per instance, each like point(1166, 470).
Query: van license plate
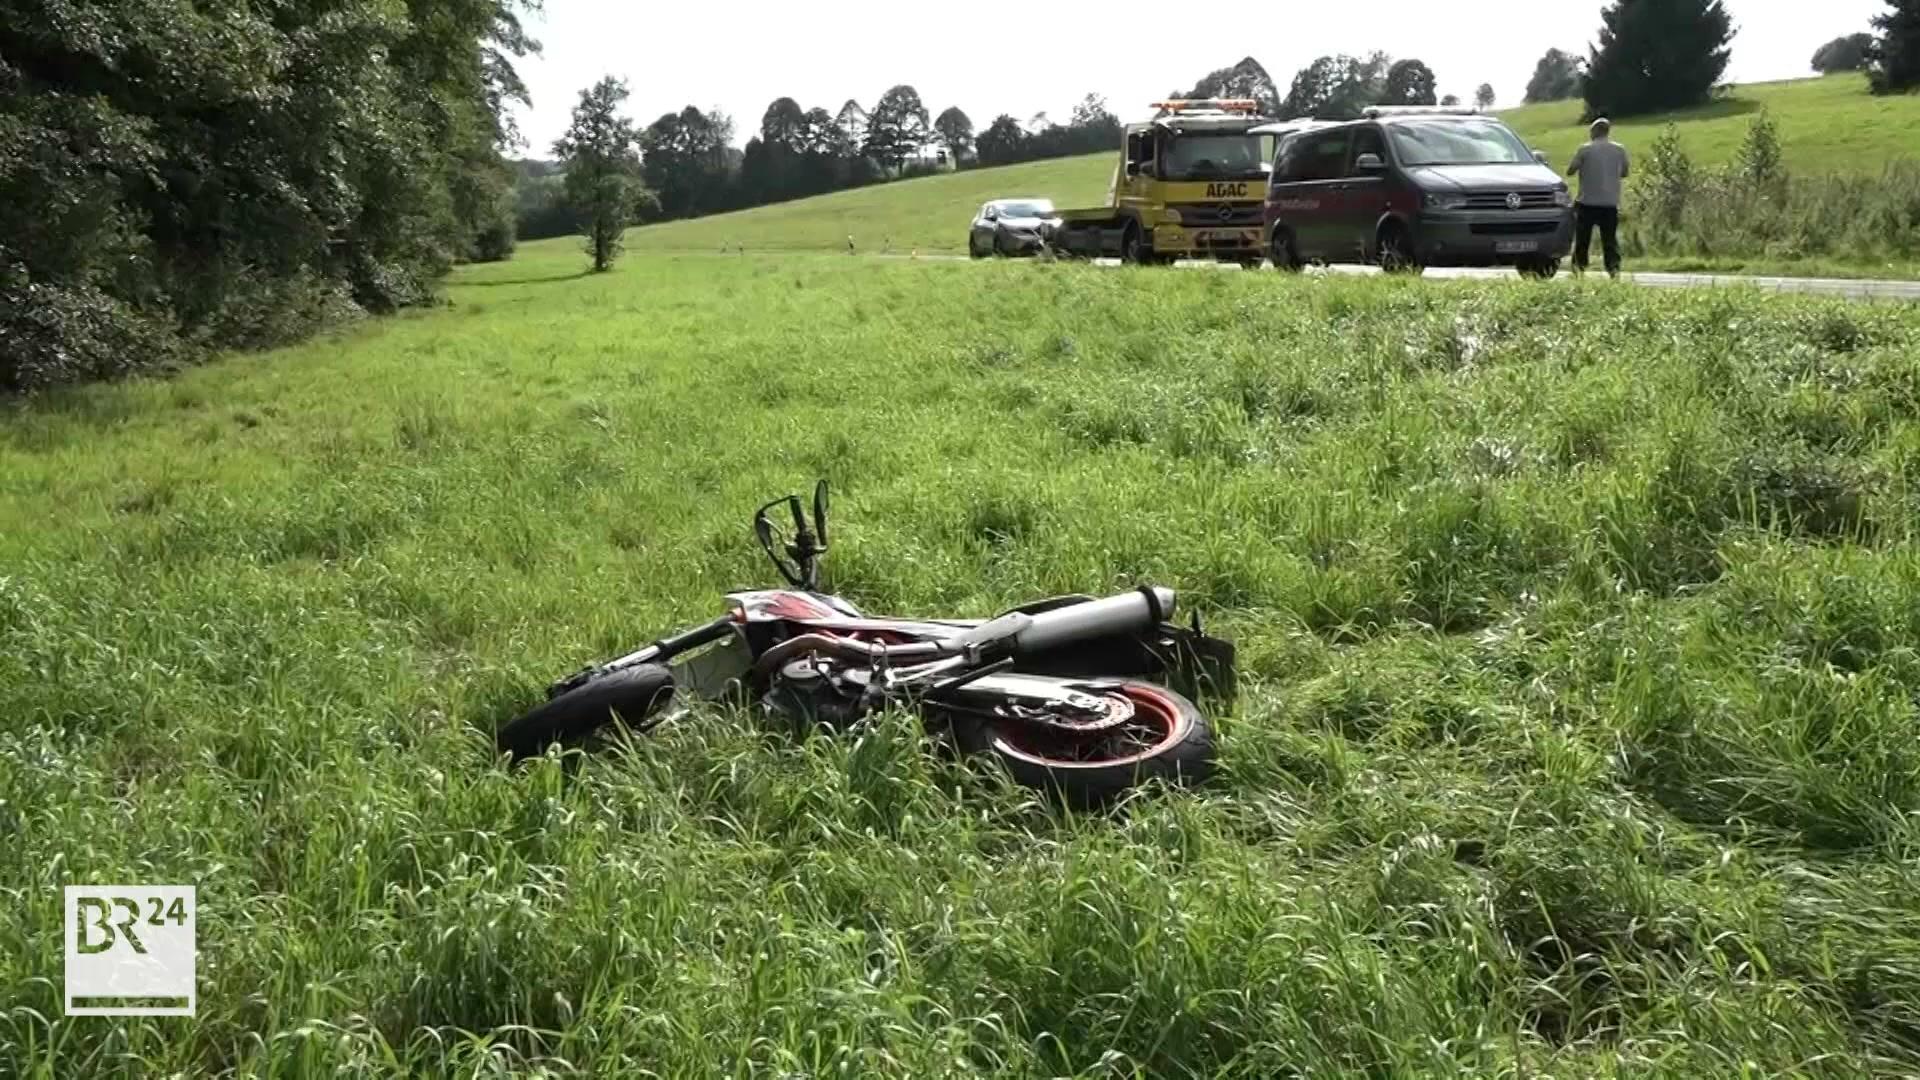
point(1516, 247)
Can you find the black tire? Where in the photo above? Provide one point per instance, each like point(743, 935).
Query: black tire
point(973, 249)
point(1396, 253)
point(630, 695)
point(1184, 754)
point(1283, 255)
point(1134, 249)
point(1539, 269)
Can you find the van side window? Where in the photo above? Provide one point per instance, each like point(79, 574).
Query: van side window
point(1324, 155)
point(1366, 141)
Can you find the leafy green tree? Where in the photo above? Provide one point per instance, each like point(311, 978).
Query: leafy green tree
point(898, 127)
point(849, 130)
point(599, 151)
point(177, 175)
point(1556, 77)
point(1337, 87)
point(956, 133)
point(1759, 161)
point(687, 161)
point(1896, 55)
point(1003, 142)
point(1484, 96)
point(1656, 55)
point(1410, 82)
point(1850, 53)
point(1246, 79)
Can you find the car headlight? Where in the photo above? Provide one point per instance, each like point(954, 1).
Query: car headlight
point(1444, 202)
point(1562, 197)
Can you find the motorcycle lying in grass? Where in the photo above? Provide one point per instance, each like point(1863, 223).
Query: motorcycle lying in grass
point(1057, 689)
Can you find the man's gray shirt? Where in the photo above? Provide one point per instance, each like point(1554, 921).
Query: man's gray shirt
point(1602, 165)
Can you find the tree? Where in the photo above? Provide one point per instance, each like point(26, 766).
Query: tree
point(1556, 77)
point(1337, 87)
point(1759, 161)
point(1246, 79)
point(1896, 55)
point(1484, 97)
point(1002, 143)
point(176, 176)
point(1850, 53)
point(898, 127)
point(1409, 82)
point(1655, 55)
point(602, 166)
point(956, 134)
point(1093, 112)
point(688, 160)
point(1450, 100)
point(850, 129)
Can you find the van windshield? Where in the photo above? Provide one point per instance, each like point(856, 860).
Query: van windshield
point(1436, 142)
point(1214, 157)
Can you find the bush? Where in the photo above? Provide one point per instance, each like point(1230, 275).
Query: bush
point(51, 334)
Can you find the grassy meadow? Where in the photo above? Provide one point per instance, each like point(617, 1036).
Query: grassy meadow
point(1578, 629)
point(1827, 125)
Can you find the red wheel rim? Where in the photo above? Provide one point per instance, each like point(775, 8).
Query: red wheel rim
point(1158, 724)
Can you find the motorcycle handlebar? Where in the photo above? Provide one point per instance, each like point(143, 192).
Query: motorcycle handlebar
point(1127, 613)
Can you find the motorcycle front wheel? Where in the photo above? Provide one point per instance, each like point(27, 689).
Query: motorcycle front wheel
point(629, 695)
point(1166, 738)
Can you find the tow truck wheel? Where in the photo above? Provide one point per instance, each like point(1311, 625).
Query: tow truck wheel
point(1133, 247)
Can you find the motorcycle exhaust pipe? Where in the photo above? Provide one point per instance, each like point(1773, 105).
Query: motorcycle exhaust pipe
point(1128, 613)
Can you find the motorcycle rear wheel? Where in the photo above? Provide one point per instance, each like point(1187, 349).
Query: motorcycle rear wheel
point(630, 695)
point(1168, 738)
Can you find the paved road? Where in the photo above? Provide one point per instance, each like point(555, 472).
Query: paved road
point(1854, 289)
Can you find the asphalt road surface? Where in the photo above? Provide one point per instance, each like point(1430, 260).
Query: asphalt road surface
point(1845, 287)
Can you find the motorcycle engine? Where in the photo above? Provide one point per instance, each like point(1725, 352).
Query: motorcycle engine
point(805, 694)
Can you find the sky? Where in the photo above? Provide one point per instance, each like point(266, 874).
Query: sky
point(739, 57)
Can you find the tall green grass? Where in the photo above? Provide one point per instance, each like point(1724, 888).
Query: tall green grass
point(1578, 625)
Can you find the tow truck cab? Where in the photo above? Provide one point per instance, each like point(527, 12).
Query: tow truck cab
point(1190, 184)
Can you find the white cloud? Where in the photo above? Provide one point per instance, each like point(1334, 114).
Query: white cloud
point(739, 57)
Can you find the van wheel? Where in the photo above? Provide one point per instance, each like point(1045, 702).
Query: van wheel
point(1396, 253)
point(1281, 251)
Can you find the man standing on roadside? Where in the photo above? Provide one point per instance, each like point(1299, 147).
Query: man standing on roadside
point(1601, 165)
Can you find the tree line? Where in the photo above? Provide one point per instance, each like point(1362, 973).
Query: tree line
point(687, 164)
point(176, 177)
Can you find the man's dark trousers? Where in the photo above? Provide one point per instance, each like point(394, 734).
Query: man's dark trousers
point(1608, 219)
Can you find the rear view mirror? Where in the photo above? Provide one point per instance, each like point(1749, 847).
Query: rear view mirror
point(1369, 163)
point(820, 512)
point(1540, 156)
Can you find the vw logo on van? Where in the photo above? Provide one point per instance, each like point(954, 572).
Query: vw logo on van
point(1514, 201)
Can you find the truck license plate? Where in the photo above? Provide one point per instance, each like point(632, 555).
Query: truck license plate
point(1516, 247)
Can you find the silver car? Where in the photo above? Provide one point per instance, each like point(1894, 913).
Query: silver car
point(1011, 227)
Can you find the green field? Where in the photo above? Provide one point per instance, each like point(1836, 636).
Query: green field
point(1578, 625)
point(1826, 125)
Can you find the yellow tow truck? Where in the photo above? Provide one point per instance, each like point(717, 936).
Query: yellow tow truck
point(1191, 184)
